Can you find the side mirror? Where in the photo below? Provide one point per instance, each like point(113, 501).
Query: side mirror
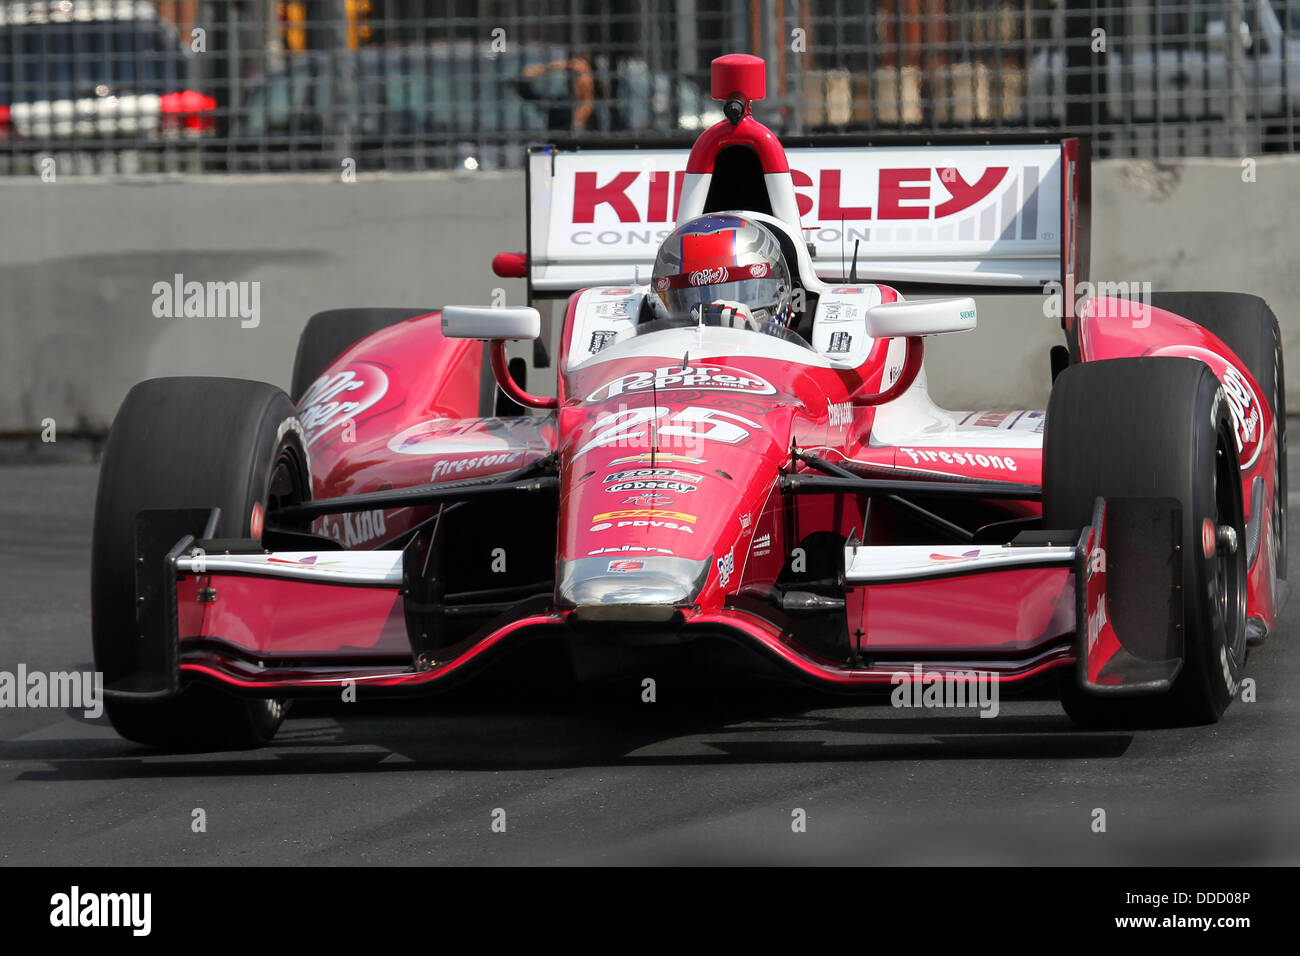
point(485, 322)
point(921, 317)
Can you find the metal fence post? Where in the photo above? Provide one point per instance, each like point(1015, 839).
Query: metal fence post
point(343, 83)
point(1235, 112)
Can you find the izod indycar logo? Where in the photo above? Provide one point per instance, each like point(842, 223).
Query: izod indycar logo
point(706, 378)
point(337, 398)
point(1243, 403)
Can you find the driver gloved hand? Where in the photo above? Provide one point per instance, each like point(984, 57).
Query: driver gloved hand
point(731, 314)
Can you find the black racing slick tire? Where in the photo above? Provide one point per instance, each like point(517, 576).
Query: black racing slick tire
point(327, 335)
point(1248, 326)
point(1157, 427)
point(187, 443)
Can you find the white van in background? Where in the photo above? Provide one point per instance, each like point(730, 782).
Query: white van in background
point(1167, 65)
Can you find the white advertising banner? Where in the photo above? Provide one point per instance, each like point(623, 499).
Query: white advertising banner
point(988, 215)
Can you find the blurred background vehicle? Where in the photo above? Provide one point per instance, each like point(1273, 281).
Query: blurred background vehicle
point(1177, 71)
point(107, 72)
point(448, 105)
point(148, 86)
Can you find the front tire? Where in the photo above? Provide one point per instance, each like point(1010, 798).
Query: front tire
point(188, 443)
point(1246, 325)
point(1157, 427)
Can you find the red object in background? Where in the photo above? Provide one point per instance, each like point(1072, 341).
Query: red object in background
point(4, 122)
point(510, 265)
point(189, 110)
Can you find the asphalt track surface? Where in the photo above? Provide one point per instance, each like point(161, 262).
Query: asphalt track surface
point(693, 778)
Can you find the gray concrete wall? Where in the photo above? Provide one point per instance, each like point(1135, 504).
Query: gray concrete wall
point(79, 259)
point(78, 262)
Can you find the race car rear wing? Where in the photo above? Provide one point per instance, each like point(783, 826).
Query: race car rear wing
point(972, 213)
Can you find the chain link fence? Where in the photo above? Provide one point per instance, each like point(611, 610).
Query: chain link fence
point(113, 87)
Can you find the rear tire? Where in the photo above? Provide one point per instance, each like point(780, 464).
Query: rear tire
point(1249, 328)
point(1156, 427)
point(187, 443)
point(328, 335)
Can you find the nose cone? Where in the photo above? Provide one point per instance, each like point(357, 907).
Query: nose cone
point(632, 588)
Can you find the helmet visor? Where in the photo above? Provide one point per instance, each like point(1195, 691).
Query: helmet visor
point(760, 295)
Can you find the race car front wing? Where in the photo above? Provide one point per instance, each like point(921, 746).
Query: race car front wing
point(1104, 600)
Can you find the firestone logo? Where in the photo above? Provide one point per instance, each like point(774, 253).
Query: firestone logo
point(457, 466)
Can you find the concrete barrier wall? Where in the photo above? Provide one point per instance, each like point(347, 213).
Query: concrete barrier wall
point(79, 261)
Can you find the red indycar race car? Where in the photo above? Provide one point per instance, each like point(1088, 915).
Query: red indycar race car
point(734, 464)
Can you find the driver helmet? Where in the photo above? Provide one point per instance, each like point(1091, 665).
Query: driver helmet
point(727, 264)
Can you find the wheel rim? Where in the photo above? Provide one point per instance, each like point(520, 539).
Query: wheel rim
point(1225, 575)
point(288, 484)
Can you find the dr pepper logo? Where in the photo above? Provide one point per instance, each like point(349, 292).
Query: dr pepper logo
point(708, 276)
point(711, 378)
point(1247, 414)
point(340, 397)
point(914, 192)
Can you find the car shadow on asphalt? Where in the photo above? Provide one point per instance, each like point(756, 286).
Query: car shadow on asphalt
point(504, 726)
